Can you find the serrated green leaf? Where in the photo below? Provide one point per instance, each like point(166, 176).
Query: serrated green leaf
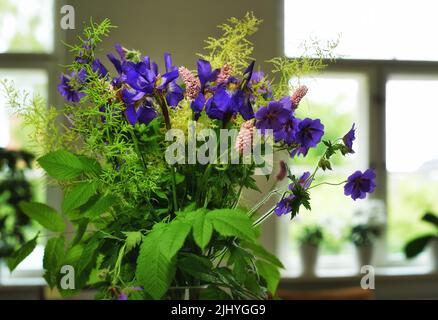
point(53, 257)
point(196, 266)
point(78, 195)
point(154, 269)
point(173, 237)
point(231, 222)
point(133, 239)
point(18, 256)
point(90, 165)
point(270, 273)
point(102, 205)
point(262, 253)
point(61, 165)
point(202, 228)
point(44, 215)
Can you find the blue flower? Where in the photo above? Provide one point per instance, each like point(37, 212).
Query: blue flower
point(359, 184)
point(70, 86)
point(273, 116)
point(99, 68)
point(144, 78)
point(309, 134)
point(286, 205)
point(348, 140)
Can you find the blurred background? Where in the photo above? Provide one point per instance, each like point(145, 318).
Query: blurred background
point(385, 81)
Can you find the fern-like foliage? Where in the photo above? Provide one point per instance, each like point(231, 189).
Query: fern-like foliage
point(233, 46)
point(287, 71)
point(44, 134)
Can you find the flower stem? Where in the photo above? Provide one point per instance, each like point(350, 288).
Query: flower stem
point(328, 183)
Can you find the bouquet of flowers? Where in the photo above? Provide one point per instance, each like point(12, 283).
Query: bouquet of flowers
point(151, 184)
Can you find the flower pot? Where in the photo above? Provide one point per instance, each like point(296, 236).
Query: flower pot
point(364, 255)
point(309, 258)
point(434, 248)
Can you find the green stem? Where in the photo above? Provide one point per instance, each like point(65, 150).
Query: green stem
point(175, 202)
point(327, 183)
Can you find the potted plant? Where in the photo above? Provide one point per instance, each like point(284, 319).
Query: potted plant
point(415, 246)
point(309, 241)
point(150, 185)
point(14, 188)
point(363, 237)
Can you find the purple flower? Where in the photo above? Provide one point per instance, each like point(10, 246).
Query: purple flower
point(288, 132)
point(144, 113)
point(309, 134)
point(285, 205)
point(99, 68)
point(86, 52)
point(118, 65)
point(222, 105)
point(273, 116)
point(359, 184)
point(144, 78)
point(348, 140)
point(122, 296)
point(304, 181)
point(205, 73)
point(70, 86)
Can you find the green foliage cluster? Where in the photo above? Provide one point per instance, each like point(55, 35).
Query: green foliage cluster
point(233, 46)
point(14, 188)
point(417, 245)
point(311, 235)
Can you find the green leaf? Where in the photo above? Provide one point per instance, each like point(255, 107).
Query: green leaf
point(53, 257)
point(270, 273)
point(154, 269)
point(196, 266)
point(44, 215)
point(78, 195)
point(202, 228)
point(133, 239)
point(90, 165)
point(262, 253)
point(102, 205)
point(431, 218)
point(18, 256)
point(416, 246)
point(231, 222)
point(173, 237)
point(61, 165)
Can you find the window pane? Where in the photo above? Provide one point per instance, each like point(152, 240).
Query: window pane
point(412, 156)
point(371, 29)
point(338, 100)
point(12, 135)
point(26, 26)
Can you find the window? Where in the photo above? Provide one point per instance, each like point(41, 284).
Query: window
point(26, 26)
point(334, 98)
point(388, 74)
point(27, 58)
point(371, 29)
point(411, 159)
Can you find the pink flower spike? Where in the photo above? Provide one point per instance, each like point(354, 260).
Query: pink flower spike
point(193, 86)
point(225, 73)
point(298, 95)
point(244, 138)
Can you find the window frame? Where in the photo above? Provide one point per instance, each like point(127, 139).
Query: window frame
point(378, 72)
point(48, 62)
